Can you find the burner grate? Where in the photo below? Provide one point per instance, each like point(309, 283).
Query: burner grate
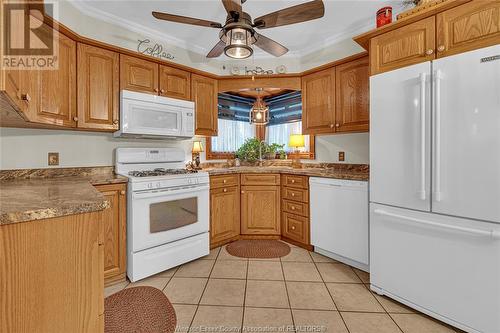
point(160, 172)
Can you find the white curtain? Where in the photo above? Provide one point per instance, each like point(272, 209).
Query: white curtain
point(281, 133)
point(232, 134)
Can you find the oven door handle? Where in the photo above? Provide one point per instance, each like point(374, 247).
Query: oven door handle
point(163, 192)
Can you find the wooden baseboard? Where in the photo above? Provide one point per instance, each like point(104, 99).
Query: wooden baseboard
point(115, 279)
point(235, 238)
point(304, 246)
point(223, 242)
point(260, 236)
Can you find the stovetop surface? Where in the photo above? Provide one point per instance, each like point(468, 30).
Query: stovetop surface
point(160, 172)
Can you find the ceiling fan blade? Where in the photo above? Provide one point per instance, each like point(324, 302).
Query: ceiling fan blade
point(269, 45)
point(217, 50)
point(186, 20)
point(232, 6)
point(300, 13)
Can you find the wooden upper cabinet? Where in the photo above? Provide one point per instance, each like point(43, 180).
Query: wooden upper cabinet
point(98, 88)
point(352, 96)
point(408, 45)
point(467, 27)
point(204, 94)
point(175, 83)
point(138, 75)
point(318, 102)
point(260, 210)
point(52, 93)
point(224, 214)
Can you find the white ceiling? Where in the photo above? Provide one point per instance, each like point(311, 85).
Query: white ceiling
point(343, 19)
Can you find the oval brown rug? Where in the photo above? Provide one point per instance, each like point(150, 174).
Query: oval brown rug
point(139, 309)
point(258, 248)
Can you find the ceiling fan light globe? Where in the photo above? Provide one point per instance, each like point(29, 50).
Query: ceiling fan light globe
point(238, 51)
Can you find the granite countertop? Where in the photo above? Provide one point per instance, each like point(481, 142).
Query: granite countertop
point(35, 199)
point(357, 173)
point(36, 194)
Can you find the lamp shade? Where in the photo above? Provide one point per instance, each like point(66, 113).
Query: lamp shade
point(197, 147)
point(296, 141)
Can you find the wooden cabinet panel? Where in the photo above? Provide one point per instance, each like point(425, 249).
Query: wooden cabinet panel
point(260, 179)
point(224, 181)
point(408, 45)
point(352, 96)
point(98, 88)
point(260, 210)
point(295, 181)
point(175, 83)
point(296, 228)
point(224, 214)
point(51, 275)
point(115, 232)
point(318, 102)
point(204, 94)
point(467, 27)
point(52, 93)
point(138, 75)
point(294, 207)
point(295, 194)
point(11, 85)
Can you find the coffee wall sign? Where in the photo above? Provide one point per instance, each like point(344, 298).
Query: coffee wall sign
point(145, 46)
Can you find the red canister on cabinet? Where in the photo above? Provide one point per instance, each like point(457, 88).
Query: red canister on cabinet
point(384, 16)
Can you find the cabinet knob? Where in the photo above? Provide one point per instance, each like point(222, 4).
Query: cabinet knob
point(162, 91)
point(122, 192)
point(75, 118)
point(115, 121)
point(337, 125)
point(224, 190)
point(156, 89)
point(242, 192)
point(293, 227)
point(26, 97)
point(293, 181)
point(293, 207)
point(429, 51)
point(331, 125)
point(293, 194)
point(224, 181)
point(441, 48)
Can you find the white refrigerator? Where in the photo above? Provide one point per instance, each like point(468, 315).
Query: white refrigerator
point(435, 188)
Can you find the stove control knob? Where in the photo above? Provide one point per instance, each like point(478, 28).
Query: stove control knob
point(158, 184)
point(150, 185)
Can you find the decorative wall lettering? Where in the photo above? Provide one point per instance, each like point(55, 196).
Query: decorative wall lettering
point(145, 46)
point(258, 71)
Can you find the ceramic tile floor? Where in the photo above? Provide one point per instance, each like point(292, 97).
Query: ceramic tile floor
point(302, 292)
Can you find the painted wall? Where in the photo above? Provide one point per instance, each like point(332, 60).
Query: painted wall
point(28, 148)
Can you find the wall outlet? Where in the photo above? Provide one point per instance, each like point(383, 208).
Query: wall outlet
point(53, 159)
point(341, 156)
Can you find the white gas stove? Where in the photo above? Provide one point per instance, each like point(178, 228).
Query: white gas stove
point(168, 212)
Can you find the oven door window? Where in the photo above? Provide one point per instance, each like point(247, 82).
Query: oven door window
point(173, 214)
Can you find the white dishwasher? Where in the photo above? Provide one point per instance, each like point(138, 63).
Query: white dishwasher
point(339, 220)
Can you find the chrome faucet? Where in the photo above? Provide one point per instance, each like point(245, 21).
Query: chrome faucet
point(260, 153)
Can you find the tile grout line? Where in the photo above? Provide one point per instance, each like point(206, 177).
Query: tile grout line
point(288, 296)
point(244, 297)
point(385, 310)
point(329, 293)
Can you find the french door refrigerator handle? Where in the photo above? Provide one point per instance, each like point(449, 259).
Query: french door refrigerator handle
point(422, 136)
point(490, 233)
point(437, 135)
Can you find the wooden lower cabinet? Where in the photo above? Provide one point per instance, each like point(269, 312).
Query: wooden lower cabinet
point(295, 227)
point(295, 209)
point(51, 275)
point(115, 232)
point(260, 210)
point(224, 214)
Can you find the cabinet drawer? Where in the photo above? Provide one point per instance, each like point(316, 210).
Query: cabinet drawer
point(296, 228)
point(295, 181)
point(260, 179)
point(299, 208)
point(223, 180)
point(295, 194)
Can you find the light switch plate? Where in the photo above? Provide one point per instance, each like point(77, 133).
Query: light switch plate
point(341, 156)
point(53, 159)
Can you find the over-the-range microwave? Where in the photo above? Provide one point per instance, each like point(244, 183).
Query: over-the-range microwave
point(156, 117)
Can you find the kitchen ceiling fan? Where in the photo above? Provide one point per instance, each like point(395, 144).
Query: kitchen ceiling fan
point(238, 34)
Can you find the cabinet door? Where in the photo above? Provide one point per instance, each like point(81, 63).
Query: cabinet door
point(260, 210)
point(224, 213)
point(53, 92)
point(98, 90)
point(411, 44)
point(467, 27)
point(352, 95)
point(115, 230)
point(204, 92)
point(318, 102)
point(175, 83)
point(138, 75)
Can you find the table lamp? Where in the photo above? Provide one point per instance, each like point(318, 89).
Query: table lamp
point(197, 149)
point(296, 141)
